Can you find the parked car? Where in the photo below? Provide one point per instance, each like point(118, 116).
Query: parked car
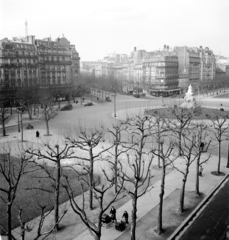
point(29, 126)
point(66, 107)
point(108, 99)
point(88, 104)
point(137, 95)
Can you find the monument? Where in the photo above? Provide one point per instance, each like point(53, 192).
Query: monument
point(189, 100)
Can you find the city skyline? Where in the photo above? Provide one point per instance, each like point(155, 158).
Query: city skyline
point(98, 28)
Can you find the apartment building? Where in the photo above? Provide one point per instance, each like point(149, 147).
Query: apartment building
point(207, 64)
point(222, 66)
point(26, 62)
point(160, 74)
point(189, 62)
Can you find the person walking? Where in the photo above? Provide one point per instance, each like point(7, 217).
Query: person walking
point(37, 134)
point(125, 217)
point(113, 214)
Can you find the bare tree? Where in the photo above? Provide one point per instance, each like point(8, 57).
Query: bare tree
point(54, 154)
point(167, 156)
point(188, 155)
point(159, 131)
point(139, 161)
point(11, 173)
point(101, 193)
point(200, 131)
point(118, 148)
point(220, 126)
point(28, 97)
point(180, 120)
point(88, 140)
point(49, 111)
point(25, 227)
point(4, 115)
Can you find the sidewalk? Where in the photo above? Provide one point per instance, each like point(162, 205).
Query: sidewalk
point(151, 199)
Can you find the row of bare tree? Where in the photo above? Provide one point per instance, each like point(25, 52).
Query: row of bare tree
point(123, 155)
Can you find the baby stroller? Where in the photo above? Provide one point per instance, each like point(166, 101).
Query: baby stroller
point(106, 220)
point(120, 226)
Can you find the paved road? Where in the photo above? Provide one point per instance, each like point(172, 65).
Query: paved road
point(100, 112)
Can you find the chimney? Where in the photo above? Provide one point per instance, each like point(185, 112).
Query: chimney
point(135, 49)
point(164, 46)
point(200, 46)
point(168, 47)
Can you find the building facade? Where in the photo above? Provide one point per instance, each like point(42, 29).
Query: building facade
point(160, 74)
point(207, 64)
point(189, 62)
point(26, 62)
point(222, 67)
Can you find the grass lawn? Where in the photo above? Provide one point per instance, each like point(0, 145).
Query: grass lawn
point(205, 112)
point(28, 200)
point(146, 226)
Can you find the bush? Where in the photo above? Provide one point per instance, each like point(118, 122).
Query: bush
point(222, 109)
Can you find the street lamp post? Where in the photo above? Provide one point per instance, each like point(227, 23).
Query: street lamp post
point(19, 110)
point(18, 121)
point(114, 104)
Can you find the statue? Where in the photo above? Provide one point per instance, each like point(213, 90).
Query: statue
point(189, 100)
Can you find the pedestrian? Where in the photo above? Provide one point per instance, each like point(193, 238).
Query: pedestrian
point(125, 217)
point(201, 171)
point(113, 214)
point(201, 146)
point(37, 134)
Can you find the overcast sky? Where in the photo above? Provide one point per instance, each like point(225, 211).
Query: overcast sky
point(100, 27)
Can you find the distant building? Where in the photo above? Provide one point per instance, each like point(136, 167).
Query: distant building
point(160, 74)
point(207, 64)
point(222, 67)
point(27, 61)
point(189, 62)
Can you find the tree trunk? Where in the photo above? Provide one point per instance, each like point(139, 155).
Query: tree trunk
point(115, 168)
point(161, 195)
point(197, 175)
point(182, 194)
point(22, 129)
point(218, 170)
point(3, 127)
point(22, 232)
point(158, 147)
point(91, 179)
point(30, 112)
point(47, 124)
point(9, 219)
point(34, 109)
point(134, 217)
point(180, 142)
point(57, 194)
